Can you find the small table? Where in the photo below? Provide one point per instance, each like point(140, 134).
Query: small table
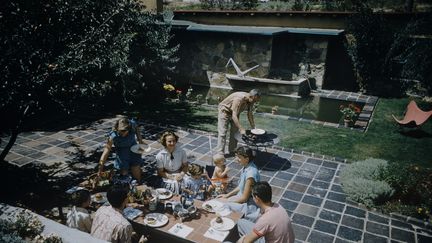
point(263, 141)
point(200, 225)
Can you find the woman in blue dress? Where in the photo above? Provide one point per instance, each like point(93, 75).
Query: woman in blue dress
point(122, 137)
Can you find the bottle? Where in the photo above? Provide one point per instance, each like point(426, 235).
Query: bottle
point(133, 186)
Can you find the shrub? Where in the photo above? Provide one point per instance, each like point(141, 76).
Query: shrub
point(412, 183)
point(361, 182)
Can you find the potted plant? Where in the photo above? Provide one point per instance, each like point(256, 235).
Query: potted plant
point(274, 109)
point(348, 113)
point(169, 88)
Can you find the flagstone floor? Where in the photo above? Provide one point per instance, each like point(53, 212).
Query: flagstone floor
point(307, 186)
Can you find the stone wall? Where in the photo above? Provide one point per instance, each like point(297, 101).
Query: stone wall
point(204, 55)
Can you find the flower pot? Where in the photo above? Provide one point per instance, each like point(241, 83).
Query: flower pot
point(347, 122)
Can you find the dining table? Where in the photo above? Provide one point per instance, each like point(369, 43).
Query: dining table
point(199, 226)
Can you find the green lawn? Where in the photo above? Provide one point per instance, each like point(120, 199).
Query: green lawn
point(382, 140)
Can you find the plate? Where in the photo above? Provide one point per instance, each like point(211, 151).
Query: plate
point(159, 220)
point(258, 131)
point(226, 224)
point(164, 193)
point(101, 200)
point(214, 206)
point(140, 148)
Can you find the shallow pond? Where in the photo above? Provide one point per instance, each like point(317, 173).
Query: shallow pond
point(313, 107)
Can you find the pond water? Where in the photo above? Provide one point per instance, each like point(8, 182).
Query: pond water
point(313, 107)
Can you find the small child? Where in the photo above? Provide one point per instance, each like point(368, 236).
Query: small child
point(78, 217)
point(194, 184)
point(220, 174)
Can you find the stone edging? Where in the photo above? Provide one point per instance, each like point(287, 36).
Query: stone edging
point(362, 123)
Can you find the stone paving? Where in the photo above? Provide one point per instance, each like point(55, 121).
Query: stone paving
point(306, 185)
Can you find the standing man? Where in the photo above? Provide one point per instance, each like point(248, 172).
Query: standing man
point(273, 226)
point(228, 114)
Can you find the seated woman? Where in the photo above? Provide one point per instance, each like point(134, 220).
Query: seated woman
point(171, 161)
point(78, 217)
point(240, 199)
point(249, 175)
point(122, 137)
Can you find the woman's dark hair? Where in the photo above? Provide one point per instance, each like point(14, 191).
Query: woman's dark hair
point(117, 194)
point(162, 139)
point(262, 190)
point(245, 152)
point(79, 197)
point(122, 124)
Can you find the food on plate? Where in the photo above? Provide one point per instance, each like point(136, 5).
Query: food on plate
point(219, 220)
point(165, 193)
point(98, 196)
point(151, 220)
point(208, 207)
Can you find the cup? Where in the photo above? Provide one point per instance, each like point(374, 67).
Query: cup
point(153, 204)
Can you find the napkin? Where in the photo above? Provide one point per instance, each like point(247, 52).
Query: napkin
point(180, 230)
point(131, 213)
point(216, 234)
point(224, 211)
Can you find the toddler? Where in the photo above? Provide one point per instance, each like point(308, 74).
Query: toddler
point(194, 184)
point(78, 217)
point(220, 174)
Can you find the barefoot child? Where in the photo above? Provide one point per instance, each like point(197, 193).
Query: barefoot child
point(220, 174)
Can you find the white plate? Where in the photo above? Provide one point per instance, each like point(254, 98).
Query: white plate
point(168, 194)
point(258, 131)
point(226, 224)
point(102, 200)
point(160, 220)
point(215, 206)
point(140, 148)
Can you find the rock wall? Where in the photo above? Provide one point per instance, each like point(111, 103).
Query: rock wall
point(204, 55)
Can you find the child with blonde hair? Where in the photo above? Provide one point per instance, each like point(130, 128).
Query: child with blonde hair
point(219, 178)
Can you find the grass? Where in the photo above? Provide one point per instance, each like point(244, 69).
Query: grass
point(383, 139)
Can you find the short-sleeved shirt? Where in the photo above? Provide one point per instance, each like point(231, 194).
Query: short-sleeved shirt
point(249, 171)
point(235, 102)
point(79, 218)
point(110, 225)
point(164, 161)
point(274, 225)
point(124, 156)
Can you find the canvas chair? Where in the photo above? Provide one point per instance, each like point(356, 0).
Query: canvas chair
point(414, 116)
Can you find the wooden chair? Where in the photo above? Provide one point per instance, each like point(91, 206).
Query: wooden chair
point(414, 116)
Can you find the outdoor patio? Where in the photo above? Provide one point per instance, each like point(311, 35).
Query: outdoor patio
point(305, 184)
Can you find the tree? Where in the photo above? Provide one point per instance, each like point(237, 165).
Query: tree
point(369, 42)
point(73, 52)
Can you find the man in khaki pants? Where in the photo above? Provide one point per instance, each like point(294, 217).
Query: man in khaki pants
point(229, 113)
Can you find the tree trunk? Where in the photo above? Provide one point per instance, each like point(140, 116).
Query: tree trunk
point(14, 134)
point(409, 4)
